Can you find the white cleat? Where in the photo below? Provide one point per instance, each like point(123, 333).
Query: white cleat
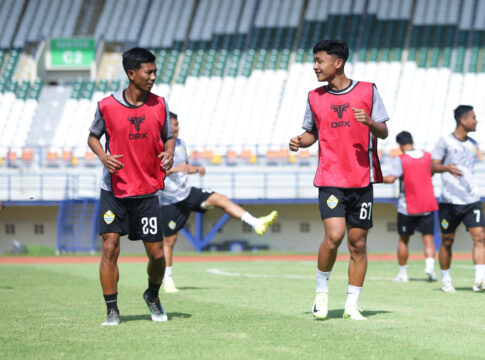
point(431, 276)
point(447, 287)
point(112, 319)
point(479, 286)
point(320, 306)
point(169, 286)
point(353, 312)
point(403, 278)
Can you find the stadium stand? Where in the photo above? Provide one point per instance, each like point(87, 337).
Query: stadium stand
point(242, 69)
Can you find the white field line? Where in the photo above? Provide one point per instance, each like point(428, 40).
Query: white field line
point(267, 276)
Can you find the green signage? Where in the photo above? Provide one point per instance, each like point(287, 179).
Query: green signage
point(72, 53)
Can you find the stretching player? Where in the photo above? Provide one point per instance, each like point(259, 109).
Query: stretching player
point(416, 203)
point(139, 149)
point(178, 200)
point(455, 156)
point(346, 117)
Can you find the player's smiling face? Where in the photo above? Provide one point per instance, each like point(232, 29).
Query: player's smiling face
point(469, 121)
point(144, 77)
point(326, 66)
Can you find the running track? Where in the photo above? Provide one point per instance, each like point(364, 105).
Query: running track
point(201, 258)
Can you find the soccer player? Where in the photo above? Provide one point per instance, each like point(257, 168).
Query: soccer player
point(455, 156)
point(416, 203)
point(139, 151)
point(178, 200)
point(346, 117)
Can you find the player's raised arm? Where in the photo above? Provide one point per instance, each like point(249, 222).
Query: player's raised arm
point(304, 140)
point(379, 129)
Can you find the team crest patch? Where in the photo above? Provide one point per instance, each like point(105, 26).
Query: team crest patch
point(332, 202)
point(172, 224)
point(109, 217)
point(445, 224)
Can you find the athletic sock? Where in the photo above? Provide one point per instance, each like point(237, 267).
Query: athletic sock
point(111, 302)
point(479, 272)
point(153, 290)
point(429, 264)
point(168, 272)
point(353, 294)
point(403, 270)
point(322, 281)
point(249, 219)
point(445, 275)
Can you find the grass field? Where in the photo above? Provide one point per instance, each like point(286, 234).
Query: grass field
point(238, 310)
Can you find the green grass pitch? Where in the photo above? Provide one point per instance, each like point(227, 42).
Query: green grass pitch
point(238, 310)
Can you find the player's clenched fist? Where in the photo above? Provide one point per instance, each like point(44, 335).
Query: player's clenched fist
point(361, 116)
point(295, 143)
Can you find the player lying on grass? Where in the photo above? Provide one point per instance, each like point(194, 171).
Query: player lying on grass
point(416, 204)
point(178, 200)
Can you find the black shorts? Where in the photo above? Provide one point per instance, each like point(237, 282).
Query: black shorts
point(452, 215)
point(355, 205)
point(138, 217)
point(176, 215)
point(406, 224)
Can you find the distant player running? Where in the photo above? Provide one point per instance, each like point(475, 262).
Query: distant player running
point(416, 203)
point(455, 156)
point(346, 117)
point(139, 149)
point(178, 200)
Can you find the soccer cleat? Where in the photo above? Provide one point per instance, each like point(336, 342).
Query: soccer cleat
point(169, 285)
point(265, 222)
point(479, 286)
point(320, 306)
point(401, 278)
point(112, 319)
point(431, 277)
point(353, 312)
point(156, 309)
point(447, 287)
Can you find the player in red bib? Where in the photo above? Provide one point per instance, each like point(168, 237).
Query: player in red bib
point(139, 149)
point(416, 203)
point(346, 117)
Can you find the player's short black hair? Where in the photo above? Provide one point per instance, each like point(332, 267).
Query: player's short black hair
point(333, 47)
point(460, 111)
point(133, 58)
point(404, 138)
point(173, 116)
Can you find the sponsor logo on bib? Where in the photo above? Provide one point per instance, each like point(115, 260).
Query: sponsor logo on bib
point(332, 201)
point(109, 217)
point(445, 224)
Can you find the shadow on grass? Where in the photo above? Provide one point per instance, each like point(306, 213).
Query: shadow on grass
point(191, 288)
point(6, 287)
point(147, 317)
point(422, 280)
point(338, 313)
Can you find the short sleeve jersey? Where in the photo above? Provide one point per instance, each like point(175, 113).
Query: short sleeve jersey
point(379, 112)
point(458, 190)
point(176, 184)
point(98, 129)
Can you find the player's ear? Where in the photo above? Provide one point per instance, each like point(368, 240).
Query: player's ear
point(131, 74)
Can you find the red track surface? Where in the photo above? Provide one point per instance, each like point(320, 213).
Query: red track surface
point(201, 258)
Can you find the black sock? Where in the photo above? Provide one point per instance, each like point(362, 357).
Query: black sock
point(112, 302)
point(153, 289)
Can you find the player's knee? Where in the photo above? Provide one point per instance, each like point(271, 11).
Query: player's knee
point(170, 241)
point(333, 239)
point(157, 255)
point(358, 247)
point(447, 241)
point(110, 249)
